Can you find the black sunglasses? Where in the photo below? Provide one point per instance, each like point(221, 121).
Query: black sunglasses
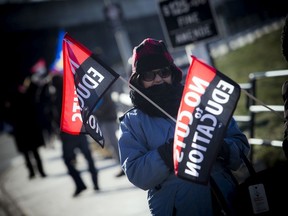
point(149, 76)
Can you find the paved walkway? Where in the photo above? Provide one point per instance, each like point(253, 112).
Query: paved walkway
point(52, 196)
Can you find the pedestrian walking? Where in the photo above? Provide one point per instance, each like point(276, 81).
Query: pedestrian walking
point(22, 112)
point(72, 144)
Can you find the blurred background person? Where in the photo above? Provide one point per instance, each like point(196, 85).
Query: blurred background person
point(21, 110)
point(106, 113)
point(71, 144)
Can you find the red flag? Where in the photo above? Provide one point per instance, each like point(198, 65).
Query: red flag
point(208, 102)
point(86, 79)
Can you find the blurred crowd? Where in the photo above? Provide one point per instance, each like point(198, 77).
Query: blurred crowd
point(31, 114)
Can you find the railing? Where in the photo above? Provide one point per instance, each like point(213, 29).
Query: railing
point(253, 109)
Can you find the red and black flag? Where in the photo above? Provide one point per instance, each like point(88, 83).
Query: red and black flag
point(86, 79)
point(207, 105)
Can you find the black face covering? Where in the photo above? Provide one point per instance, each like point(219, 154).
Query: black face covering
point(166, 96)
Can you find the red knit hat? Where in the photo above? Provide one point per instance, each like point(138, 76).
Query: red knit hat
point(152, 54)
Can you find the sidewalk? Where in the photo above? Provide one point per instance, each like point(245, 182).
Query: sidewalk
point(52, 196)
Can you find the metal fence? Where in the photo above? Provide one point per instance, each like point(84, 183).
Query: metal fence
point(253, 109)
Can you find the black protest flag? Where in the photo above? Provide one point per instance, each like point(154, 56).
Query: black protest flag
point(86, 79)
point(207, 105)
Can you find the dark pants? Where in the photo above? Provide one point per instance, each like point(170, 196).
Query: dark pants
point(29, 164)
point(70, 144)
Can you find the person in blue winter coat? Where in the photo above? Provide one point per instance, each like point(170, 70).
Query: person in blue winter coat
point(146, 139)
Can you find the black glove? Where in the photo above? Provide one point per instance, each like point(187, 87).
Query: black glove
point(224, 152)
point(166, 153)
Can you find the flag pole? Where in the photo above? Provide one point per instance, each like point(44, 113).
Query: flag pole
point(262, 103)
point(143, 95)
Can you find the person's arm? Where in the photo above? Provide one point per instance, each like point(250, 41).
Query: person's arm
point(234, 142)
point(144, 167)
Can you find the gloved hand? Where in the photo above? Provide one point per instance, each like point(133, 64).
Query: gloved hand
point(166, 153)
point(224, 152)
